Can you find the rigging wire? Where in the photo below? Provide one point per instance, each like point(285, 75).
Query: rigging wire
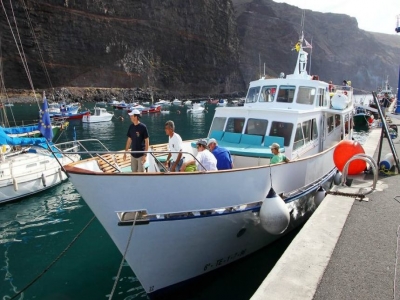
point(20, 49)
point(37, 45)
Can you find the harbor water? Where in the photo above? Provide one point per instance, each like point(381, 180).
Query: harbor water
point(35, 231)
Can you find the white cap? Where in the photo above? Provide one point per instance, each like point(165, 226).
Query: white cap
point(210, 141)
point(134, 112)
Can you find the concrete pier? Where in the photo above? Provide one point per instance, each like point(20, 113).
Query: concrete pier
point(348, 248)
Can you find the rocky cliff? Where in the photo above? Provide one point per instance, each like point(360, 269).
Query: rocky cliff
point(183, 47)
point(340, 51)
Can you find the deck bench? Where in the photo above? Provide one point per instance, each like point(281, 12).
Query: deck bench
point(246, 144)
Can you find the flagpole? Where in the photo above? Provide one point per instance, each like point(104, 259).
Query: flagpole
point(309, 69)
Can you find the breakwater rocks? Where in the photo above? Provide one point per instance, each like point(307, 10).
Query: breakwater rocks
point(75, 94)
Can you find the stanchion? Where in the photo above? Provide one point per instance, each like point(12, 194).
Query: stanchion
point(398, 96)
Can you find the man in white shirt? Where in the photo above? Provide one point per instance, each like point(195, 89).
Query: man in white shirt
point(175, 145)
point(206, 161)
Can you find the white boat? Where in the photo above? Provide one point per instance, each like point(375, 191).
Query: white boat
point(100, 115)
point(63, 108)
point(187, 103)
point(35, 167)
point(163, 103)
point(196, 109)
point(217, 217)
point(222, 102)
point(176, 102)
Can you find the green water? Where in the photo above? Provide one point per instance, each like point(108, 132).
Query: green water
point(34, 231)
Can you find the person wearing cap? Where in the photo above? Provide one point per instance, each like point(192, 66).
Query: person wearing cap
point(385, 103)
point(204, 158)
point(223, 156)
point(138, 140)
point(278, 157)
point(174, 159)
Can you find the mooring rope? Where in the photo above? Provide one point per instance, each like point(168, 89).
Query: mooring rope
point(123, 258)
point(362, 196)
point(54, 261)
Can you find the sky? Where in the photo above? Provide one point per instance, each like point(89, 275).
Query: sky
point(378, 16)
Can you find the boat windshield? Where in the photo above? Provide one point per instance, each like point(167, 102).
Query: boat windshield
point(252, 94)
point(286, 93)
point(305, 95)
point(268, 93)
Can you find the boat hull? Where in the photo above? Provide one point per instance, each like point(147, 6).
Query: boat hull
point(195, 245)
point(29, 173)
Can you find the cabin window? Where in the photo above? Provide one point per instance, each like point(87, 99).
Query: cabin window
point(268, 93)
point(252, 95)
point(314, 133)
point(218, 124)
point(282, 129)
point(256, 127)
point(337, 120)
point(321, 99)
point(307, 130)
point(299, 138)
point(235, 125)
point(286, 93)
point(305, 95)
point(330, 123)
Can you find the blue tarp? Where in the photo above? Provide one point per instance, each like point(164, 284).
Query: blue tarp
point(21, 129)
point(15, 141)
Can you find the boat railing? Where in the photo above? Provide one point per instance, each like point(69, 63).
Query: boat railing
point(77, 147)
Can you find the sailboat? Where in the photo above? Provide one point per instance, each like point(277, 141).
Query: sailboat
point(29, 165)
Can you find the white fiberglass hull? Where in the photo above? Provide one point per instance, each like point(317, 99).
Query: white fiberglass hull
point(165, 252)
point(97, 119)
point(29, 173)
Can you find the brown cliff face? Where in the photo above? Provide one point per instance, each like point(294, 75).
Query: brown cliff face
point(186, 47)
point(340, 49)
point(175, 45)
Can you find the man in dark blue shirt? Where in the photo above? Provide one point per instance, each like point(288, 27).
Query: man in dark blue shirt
point(224, 159)
point(138, 140)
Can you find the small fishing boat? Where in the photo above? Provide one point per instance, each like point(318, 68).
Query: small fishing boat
point(152, 109)
point(222, 102)
point(196, 109)
point(100, 115)
point(176, 102)
point(70, 116)
point(245, 208)
point(362, 118)
point(163, 103)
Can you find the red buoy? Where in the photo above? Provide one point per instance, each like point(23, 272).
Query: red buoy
point(346, 150)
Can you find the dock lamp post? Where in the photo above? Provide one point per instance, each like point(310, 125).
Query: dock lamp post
point(398, 95)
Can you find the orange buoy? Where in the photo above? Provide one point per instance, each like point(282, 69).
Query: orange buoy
point(346, 150)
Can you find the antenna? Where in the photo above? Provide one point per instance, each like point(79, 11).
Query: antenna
point(309, 68)
point(259, 62)
point(264, 69)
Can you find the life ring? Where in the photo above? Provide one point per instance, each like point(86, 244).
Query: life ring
point(345, 93)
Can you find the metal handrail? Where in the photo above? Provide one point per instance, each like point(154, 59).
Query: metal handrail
point(369, 160)
point(99, 153)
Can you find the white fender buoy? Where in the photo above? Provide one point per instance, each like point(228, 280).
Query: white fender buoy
point(338, 178)
point(44, 180)
point(15, 184)
point(60, 174)
point(319, 196)
point(274, 215)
